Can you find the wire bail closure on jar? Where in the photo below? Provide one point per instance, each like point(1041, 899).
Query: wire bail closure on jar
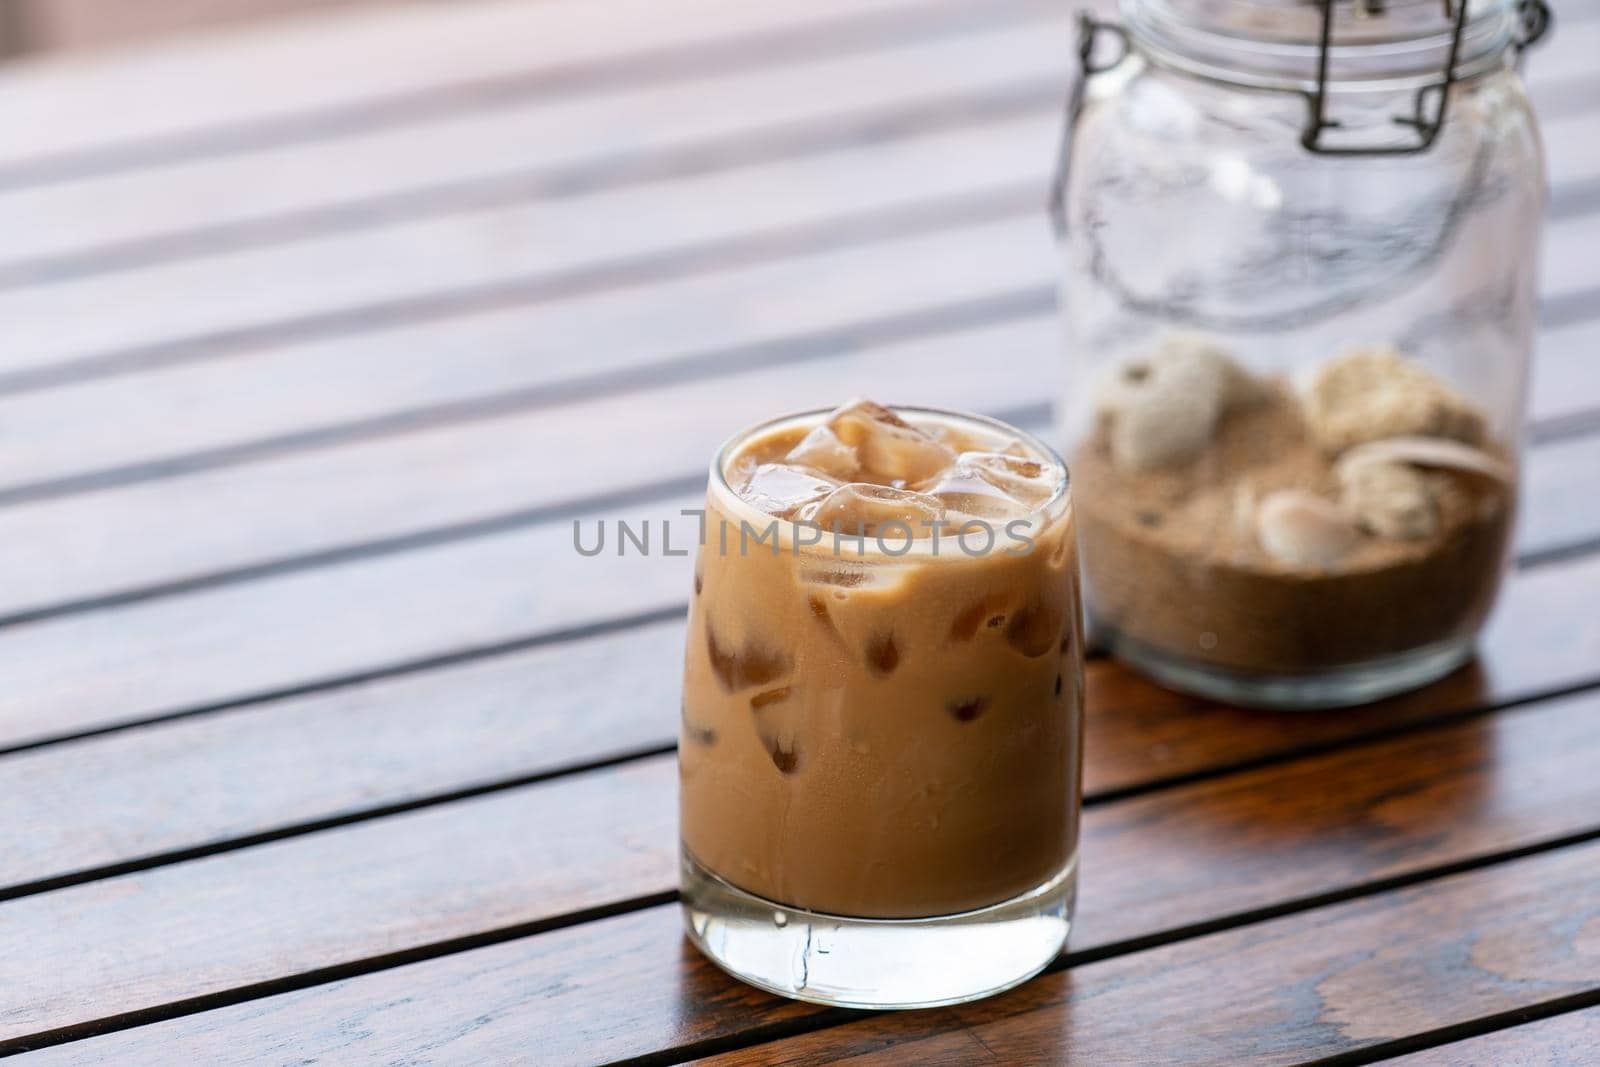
point(1089, 30)
point(1533, 16)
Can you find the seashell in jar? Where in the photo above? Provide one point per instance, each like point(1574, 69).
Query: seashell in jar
point(1388, 498)
point(1381, 482)
point(1369, 394)
point(1163, 407)
point(1302, 529)
point(1433, 453)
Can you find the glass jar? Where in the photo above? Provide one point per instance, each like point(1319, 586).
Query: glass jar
point(1298, 277)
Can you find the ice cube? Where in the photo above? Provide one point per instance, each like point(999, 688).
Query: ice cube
point(864, 509)
point(888, 449)
point(779, 489)
point(1035, 628)
point(883, 655)
point(1024, 478)
point(991, 485)
point(969, 493)
point(966, 710)
point(841, 574)
point(740, 668)
point(821, 450)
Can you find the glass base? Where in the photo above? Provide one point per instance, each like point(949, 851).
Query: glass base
point(1337, 688)
point(877, 963)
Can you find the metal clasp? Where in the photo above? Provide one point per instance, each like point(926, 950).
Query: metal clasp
point(1534, 16)
point(1089, 31)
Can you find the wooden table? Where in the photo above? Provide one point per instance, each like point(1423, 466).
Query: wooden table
point(321, 743)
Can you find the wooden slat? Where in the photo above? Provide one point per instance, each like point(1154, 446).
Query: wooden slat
point(1227, 848)
point(341, 282)
point(1354, 977)
point(193, 783)
point(620, 339)
point(57, 550)
point(1563, 371)
point(389, 379)
point(230, 93)
point(1562, 468)
point(538, 147)
point(306, 626)
point(320, 77)
point(649, 231)
point(487, 468)
point(297, 905)
point(1546, 1043)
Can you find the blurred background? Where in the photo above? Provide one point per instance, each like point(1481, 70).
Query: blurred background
point(54, 25)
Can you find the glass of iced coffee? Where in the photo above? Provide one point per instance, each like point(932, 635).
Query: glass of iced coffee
point(880, 754)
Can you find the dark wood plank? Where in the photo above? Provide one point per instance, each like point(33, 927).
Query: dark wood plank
point(1354, 977)
point(1554, 1042)
point(1295, 834)
point(516, 859)
point(198, 782)
point(1149, 735)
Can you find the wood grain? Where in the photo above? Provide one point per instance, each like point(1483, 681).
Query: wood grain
point(198, 782)
point(418, 597)
point(293, 906)
point(1551, 1042)
point(1352, 977)
point(1209, 852)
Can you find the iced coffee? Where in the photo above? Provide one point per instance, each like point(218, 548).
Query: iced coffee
point(882, 706)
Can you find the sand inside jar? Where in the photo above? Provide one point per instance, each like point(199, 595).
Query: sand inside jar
point(1175, 561)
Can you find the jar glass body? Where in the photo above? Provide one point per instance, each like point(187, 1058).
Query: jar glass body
point(1296, 380)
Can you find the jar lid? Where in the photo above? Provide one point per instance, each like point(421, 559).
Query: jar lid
point(1382, 45)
